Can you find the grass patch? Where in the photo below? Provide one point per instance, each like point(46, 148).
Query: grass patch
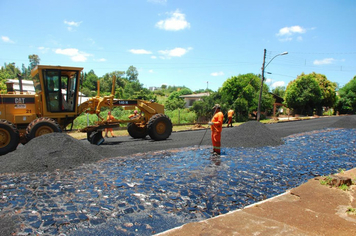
point(351, 210)
point(344, 187)
point(326, 180)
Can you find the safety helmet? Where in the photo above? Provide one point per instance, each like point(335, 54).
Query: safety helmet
point(217, 106)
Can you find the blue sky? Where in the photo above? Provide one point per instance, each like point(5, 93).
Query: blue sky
point(195, 43)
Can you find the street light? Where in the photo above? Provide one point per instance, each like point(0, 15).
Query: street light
point(263, 78)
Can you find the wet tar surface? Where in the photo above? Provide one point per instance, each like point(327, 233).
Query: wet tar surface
point(144, 194)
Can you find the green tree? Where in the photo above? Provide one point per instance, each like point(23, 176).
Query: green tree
point(132, 73)
point(89, 84)
point(145, 94)
point(174, 101)
point(9, 71)
point(184, 91)
point(203, 91)
point(131, 89)
point(4, 75)
point(12, 70)
point(279, 91)
point(303, 95)
point(346, 103)
point(328, 90)
point(26, 72)
point(241, 93)
point(203, 107)
point(34, 61)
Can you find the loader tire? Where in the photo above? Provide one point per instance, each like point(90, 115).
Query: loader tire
point(42, 126)
point(135, 131)
point(159, 127)
point(95, 137)
point(9, 137)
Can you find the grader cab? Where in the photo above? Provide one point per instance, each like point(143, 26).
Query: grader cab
point(54, 106)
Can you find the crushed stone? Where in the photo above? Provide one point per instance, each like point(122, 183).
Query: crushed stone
point(250, 134)
point(48, 153)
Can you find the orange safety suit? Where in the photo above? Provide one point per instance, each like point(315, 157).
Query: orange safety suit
point(216, 129)
point(230, 113)
point(109, 118)
point(132, 116)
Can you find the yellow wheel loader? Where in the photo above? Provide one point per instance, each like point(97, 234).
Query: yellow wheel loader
point(54, 106)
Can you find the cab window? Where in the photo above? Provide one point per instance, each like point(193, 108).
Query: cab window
point(53, 93)
point(60, 86)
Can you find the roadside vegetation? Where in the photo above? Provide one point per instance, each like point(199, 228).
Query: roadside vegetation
point(307, 95)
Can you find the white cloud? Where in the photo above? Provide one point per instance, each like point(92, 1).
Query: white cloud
point(286, 39)
point(277, 83)
point(72, 24)
point(285, 34)
point(220, 73)
point(291, 30)
point(268, 80)
point(274, 84)
point(176, 21)
point(43, 49)
point(153, 57)
point(100, 60)
point(176, 52)
point(150, 71)
point(324, 61)
point(158, 1)
point(91, 41)
point(6, 39)
point(140, 51)
point(74, 54)
point(299, 38)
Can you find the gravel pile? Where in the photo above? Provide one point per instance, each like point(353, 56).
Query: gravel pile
point(48, 153)
point(250, 134)
point(347, 122)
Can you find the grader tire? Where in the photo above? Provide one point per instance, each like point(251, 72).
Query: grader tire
point(159, 127)
point(42, 126)
point(95, 137)
point(135, 131)
point(9, 137)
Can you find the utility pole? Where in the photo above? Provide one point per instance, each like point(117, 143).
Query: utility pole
point(263, 78)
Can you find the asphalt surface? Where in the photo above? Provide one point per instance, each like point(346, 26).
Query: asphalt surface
point(122, 146)
point(141, 187)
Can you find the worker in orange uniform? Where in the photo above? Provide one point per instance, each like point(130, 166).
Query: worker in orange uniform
point(109, 118)
point(216, 128)
point(132, 116)
point(230, 114)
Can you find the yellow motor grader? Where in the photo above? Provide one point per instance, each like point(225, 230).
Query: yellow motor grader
point(54, 106)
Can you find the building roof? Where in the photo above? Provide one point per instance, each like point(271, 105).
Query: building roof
point(197, 95)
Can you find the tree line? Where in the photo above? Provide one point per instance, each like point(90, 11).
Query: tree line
point(308, 94)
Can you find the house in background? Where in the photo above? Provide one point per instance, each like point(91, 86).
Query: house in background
point(191, 98)
point(278, 104)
